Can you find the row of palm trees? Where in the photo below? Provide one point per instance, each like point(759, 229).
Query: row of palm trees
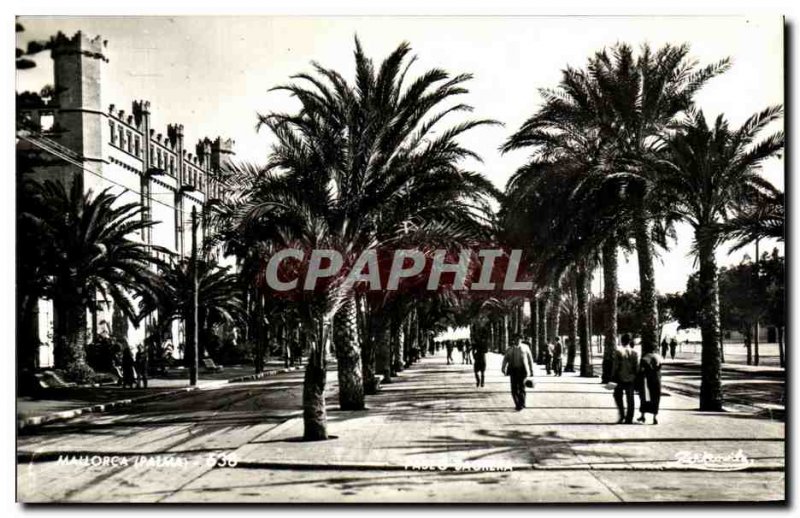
point(80, 250)
point(619, 154)
point(361, 165)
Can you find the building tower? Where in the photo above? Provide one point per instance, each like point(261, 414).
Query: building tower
point(78, 64)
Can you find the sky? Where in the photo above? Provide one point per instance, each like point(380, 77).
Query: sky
point(212, 74)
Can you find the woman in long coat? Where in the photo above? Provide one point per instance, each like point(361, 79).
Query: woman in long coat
point(128, 372)
point(649, 385)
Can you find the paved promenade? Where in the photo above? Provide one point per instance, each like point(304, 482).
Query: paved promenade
point(430, 436)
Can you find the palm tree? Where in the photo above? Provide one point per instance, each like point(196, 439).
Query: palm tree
point(219, 296)
point(709, 171)
point(87, 251)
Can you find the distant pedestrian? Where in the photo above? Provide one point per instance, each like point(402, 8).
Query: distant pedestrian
point(649, 385)
point(664, 346)
point(624, 372)
point(465, 354)
point(673, 345)
point(449, 346)
point(479, 366)
point(548, 357)
point(557, 357)
point(141, 368)
point(128, 371)
point(518, 365)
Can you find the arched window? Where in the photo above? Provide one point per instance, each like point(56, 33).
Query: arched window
point(113, 132)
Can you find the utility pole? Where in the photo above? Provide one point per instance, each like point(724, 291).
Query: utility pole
point(193, 323)
point(758, 294)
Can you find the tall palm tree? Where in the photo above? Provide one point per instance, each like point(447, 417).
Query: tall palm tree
point(709, 171)
point(378, 149)
point(88, 251)
point(356, 167)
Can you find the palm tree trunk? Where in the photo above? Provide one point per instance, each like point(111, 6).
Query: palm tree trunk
point(610, 291)
point(711, 359)
point(72, 333)
point(554, 315)
point(534, 323)
point(257, 323)
point(383, 346)
point(315, 417)
point(573, 329)
point(506, 338)
point(28, 325)
point(756, 331)
point(367, 348)
point(582, 282)
point(544, 309)
point(748, 344)
point(348, 358)
point(647, 282)
point(395, 333)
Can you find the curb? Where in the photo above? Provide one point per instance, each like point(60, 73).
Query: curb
point(732, 406)
point(479, 468)
point(264, 374)
point(36, 421)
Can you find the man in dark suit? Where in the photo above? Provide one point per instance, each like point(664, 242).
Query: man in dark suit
point(624, 372)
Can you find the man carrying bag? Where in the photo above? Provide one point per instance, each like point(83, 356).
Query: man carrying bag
point(518, 365)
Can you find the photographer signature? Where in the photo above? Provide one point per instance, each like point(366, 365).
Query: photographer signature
point(732, 461)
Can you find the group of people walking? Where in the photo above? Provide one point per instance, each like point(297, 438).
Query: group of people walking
point(133, 369)
point(672, 346)
point(465, 346)
point(629, 374)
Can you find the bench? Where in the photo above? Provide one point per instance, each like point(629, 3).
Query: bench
point(209, 365)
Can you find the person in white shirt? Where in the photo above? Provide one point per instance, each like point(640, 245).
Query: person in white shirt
point(518, 365)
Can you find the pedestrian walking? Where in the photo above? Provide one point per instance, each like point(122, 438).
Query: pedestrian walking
point(548, 357)
point(479, 350)
point(141, 368)
point(128, 371)
point(664, 346)
point(649, 385)
point(518, 365)
point(673, 345)
point(624, 372)
point(557, 357)
point(449, 346)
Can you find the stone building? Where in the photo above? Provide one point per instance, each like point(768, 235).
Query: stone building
point(102, 146)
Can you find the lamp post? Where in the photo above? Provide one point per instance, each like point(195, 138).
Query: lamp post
point(193, 366)
point(148, 238)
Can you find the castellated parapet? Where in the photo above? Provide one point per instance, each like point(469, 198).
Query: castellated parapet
point(79, 43)
point(119, 146)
